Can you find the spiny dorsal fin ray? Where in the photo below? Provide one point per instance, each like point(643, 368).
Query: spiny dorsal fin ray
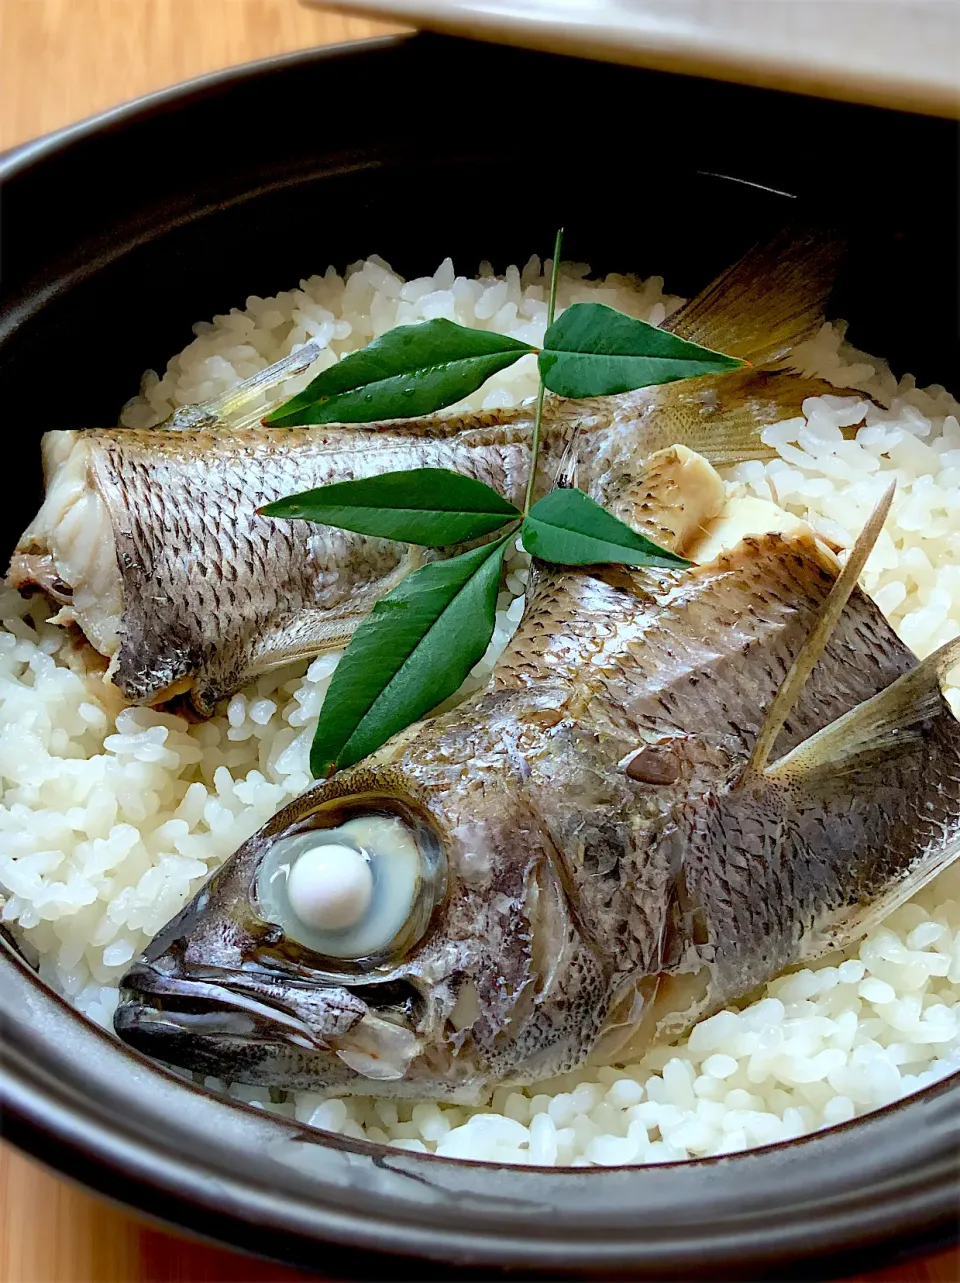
point(889, 723)
point(801, 668)
point(773, 298)
point(567, 473)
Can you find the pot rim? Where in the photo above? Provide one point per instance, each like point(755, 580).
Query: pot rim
point(37, 149)
point(884, 1182)
point(145, 1139)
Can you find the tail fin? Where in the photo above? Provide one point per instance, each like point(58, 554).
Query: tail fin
point(722, 418)
point(772, 299)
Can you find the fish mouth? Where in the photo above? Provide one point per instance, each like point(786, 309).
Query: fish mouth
point(151, 999)
point(250, 1030)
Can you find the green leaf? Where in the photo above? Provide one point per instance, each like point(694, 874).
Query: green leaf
point(567, 527)
point(592, 350)
point(414, 650)
point(431, 506)
point(410, 370)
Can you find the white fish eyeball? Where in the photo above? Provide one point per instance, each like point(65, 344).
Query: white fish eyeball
point(330, 886)
point(353, 892)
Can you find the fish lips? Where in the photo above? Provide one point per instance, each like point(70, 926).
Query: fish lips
point(254, 1030)
point(217, 1027)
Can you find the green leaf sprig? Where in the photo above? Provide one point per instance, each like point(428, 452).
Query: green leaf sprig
point(421, 639)
point(591, 350)
point(414, 650)
point(430, 506)
point(409, 371)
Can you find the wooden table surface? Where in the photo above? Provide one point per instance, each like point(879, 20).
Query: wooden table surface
point(61, 60)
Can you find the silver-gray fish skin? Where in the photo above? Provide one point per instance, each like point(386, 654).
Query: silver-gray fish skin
point(613, 871)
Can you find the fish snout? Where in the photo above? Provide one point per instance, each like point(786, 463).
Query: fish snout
point(257, 1028)
point(198, 1025)
point(246, 1005)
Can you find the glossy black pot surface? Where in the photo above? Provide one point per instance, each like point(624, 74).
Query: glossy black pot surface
point(118, 234)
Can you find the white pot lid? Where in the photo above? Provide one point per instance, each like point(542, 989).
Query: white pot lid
point(893, 53)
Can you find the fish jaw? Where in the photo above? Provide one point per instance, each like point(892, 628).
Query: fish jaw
point(213, 1027)
point(260, 1029)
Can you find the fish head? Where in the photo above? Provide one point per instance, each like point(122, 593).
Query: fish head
point(464, 968)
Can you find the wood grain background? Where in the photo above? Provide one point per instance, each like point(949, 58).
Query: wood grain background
point(61, 60)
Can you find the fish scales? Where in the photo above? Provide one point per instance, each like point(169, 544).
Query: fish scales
point(231, 592)
point(677, 671)
point(613, 869)
point(714, 645)
point(617, 855)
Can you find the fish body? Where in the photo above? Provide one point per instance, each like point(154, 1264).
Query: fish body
point(151, 543)
point(606, 861)
point(184, 586)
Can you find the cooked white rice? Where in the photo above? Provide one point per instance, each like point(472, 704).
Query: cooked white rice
point(111, 820)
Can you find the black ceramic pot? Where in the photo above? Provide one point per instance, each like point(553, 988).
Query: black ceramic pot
point(117, 234)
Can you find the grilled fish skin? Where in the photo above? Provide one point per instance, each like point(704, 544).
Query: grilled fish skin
point(616, 865)
point(208, 594)
point(150, 540)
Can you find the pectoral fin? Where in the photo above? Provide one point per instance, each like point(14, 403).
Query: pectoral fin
point(812, 649)
point(303, 635)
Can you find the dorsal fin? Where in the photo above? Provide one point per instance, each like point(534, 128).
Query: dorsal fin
point(811, 650)
point(243, 405)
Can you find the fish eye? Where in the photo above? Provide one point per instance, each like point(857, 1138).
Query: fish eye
point(358, 886)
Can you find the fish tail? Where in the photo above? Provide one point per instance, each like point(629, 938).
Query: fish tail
point(759, 310)
point(722, 418)
point(773, 298)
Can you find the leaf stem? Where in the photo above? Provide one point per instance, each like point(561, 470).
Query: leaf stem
point(538, 417)
point(554, 278)
point(534, 449)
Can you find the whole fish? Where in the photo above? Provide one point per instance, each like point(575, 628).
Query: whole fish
point(676, 783)
point(150, 540)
